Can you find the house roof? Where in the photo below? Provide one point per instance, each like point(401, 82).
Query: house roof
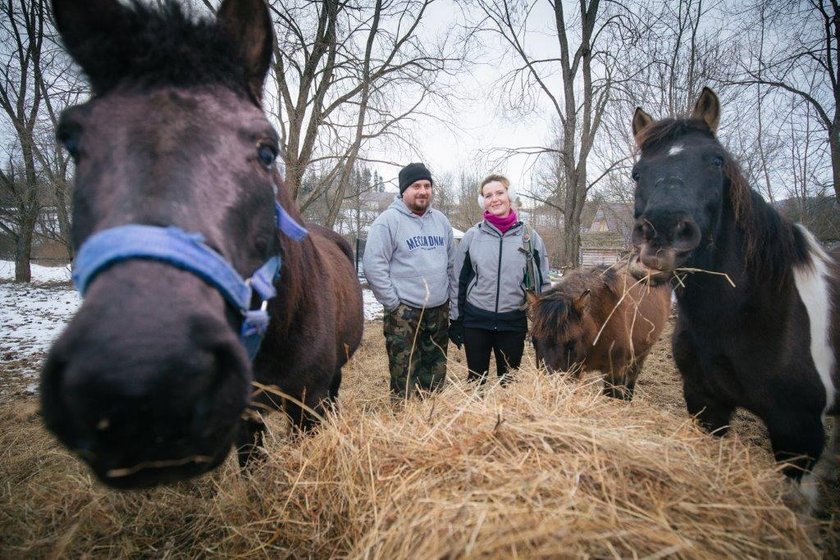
point(614, 217)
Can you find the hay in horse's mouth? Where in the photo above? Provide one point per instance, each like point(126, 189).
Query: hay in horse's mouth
point(644, 273)
point(680, 273)
point(656, 277)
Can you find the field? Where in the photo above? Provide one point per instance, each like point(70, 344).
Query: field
point(544, 467)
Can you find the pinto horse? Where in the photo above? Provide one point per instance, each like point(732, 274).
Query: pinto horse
point(758, 297)
point(176, 200)
point(599, 318)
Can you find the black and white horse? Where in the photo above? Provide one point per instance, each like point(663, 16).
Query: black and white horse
point(758, 297)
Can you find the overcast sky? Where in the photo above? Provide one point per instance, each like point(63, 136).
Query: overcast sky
point(478, 124)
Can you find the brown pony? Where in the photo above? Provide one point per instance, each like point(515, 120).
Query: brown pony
point(599, 318)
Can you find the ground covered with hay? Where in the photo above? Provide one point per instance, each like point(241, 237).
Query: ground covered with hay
point(544, 467)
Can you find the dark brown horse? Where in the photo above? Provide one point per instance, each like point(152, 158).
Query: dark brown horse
point(758, 297)
point(150, 381)
point(599, 318)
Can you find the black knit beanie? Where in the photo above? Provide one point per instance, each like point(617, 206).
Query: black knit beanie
point(413, 172)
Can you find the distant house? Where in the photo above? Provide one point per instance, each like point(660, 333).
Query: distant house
point(608, 238)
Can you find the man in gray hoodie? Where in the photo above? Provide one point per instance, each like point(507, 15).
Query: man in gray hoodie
point(409, 261)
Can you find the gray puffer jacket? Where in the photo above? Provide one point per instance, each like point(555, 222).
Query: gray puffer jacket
point(490, 268)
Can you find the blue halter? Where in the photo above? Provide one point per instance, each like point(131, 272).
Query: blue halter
point(188, 252)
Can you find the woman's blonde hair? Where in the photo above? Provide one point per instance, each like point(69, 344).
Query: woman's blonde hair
point(491, 178)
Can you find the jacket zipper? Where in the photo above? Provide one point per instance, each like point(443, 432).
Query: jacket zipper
point(498, 283)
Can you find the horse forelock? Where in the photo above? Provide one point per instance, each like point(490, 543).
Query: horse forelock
point(663, 133)
point(166, 46)
point(555, 312)
point(551, 314)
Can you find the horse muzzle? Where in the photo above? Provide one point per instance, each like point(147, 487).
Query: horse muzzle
point(663, 242)
point(151, 390)
point(654, 271)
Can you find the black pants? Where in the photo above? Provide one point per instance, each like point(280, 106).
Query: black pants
point(507, 347)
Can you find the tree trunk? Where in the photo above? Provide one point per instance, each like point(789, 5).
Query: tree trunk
point(64, 221)
point(23, 249)
point(834, 142)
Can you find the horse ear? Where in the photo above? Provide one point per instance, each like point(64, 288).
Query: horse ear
point(707, 109)
point(86, 28)
point(640, 121)
point(581, 304)
point(248, 24)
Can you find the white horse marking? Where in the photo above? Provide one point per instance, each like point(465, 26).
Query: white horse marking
point(812, 284)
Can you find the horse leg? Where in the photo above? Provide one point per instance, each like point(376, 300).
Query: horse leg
point(302, 420)
point(249, 440)
point(311, 407)
point(615, 389)
point(620, 381)
point(630, 377)
point(797, 439)
point(712, 412)
point(336, 383)
point(819, 487)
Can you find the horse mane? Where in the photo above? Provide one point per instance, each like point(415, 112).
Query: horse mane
point(772, 244)
point(551, 312)
point(165, 46)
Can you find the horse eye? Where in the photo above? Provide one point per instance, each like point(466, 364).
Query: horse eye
point(266, 153)
point(70, 143)
point(717, 161)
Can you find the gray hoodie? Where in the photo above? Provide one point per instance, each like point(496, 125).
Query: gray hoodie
point(409, 258)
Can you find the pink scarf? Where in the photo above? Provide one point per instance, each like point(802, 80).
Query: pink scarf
point(502, 223)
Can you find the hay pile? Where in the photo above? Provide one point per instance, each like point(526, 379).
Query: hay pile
point(541, 468)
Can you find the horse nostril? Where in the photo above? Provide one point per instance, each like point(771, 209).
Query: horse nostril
point(686, 235)
point(643, 231)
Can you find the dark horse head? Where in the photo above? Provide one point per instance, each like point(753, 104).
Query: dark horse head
point(149, 380)
point(681, 183)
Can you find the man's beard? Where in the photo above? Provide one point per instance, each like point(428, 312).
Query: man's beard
point(414, 207)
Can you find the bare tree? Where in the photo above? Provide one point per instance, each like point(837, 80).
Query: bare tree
point(585, 64)
point(347, 75)
point(22, 39)
point(36, 84)
point(61, 87)
point(804, 62)
point(669, 52)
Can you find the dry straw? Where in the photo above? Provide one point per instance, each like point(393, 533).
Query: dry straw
point(542, 468)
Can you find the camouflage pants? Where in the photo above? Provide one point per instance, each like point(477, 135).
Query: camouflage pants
point(416, 340)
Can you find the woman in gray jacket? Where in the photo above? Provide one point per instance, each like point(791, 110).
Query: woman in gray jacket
point(490, 265)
